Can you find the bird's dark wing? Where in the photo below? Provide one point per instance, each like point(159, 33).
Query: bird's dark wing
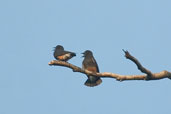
point(72, 53)
point(95, 64)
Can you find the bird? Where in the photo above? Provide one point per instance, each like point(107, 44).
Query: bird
point(89, 63)
point(62, 55)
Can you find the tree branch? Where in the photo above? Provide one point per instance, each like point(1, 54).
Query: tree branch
point(140, 67)
point(148, 74)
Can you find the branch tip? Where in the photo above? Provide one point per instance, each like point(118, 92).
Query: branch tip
point(125, 51)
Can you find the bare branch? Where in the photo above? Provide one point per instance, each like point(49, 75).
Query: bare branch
point(140, 67)
point(155, 76)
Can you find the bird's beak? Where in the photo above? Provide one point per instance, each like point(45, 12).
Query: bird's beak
point(83, 55)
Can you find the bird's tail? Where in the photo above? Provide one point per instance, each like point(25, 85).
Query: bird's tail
point(92, 83)
point(73, 54)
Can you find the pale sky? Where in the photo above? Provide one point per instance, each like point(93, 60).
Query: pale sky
point(31, 28)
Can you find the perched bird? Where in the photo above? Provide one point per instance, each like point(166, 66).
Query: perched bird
point(61, 54)
point(89, 63)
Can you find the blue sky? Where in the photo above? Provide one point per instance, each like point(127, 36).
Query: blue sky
point(31, 28)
